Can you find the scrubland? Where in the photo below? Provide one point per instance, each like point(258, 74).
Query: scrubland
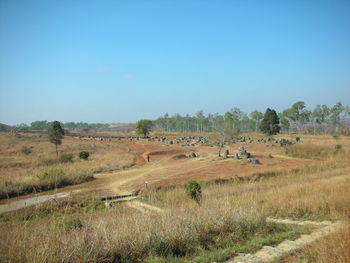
point(28, 162)
point(231, 217)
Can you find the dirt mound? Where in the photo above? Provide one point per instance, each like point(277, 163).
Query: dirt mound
point(165, 152)
point(179, 157)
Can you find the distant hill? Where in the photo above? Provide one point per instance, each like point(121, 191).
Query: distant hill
point(122, 127)
point(4, 127)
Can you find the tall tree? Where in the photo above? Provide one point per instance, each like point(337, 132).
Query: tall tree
point(270, 123)
point(256, 116)
point(55, 133)
point(143, 127)
point(319, 115)
point(223, 131)
point(335, 112)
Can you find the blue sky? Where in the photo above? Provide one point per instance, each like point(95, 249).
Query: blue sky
point(120, 61)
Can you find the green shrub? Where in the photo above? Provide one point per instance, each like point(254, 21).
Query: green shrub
point(53, 173)
point(26, 150)
point(66, 158)
point(285, 142)
point(84, 155)
point(194, 190)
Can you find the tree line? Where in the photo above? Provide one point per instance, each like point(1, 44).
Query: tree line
point(78, 126)
point(296, 118)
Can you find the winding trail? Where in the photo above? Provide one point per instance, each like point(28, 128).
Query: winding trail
point(104, 183)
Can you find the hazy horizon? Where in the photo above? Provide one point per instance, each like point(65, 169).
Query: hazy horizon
point(120, 61)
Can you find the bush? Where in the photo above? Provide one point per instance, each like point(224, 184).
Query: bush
point(194, 190)
point(285, 142)
point(26, 150)
point(66, 158)
point(84, 155)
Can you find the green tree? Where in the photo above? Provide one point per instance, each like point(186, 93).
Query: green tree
point(143, 127)
point(270, 123)
point(320, 113)
point(55, 133)
point(223, 131)
point(39, 125)
point(335, 112)
point(256, 116)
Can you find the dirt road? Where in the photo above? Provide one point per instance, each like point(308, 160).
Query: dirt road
point(168, 166)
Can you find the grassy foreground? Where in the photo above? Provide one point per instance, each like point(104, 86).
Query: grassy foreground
point(231, 219)
point(122, 234)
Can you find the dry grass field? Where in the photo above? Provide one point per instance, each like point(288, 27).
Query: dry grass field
point(28, 162)
point(306, 181)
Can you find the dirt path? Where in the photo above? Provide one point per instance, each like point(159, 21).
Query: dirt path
point(268, 253)
point(163, 169)
point(142, 207)
point(105, 184)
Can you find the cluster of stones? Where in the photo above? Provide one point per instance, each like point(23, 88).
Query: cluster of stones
point(108, 138)
point(192, 155)
point(243, 153)
point(261, 140)
point(183, 141)
point(247, 155)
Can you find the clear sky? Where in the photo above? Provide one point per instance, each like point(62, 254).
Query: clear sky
point(120, 61)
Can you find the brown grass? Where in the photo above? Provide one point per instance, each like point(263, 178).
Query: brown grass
point(129, 236)
point(230, 213)
point(22, 172)
point(334, 248)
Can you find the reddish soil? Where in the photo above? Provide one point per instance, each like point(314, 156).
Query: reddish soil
point(165, 169)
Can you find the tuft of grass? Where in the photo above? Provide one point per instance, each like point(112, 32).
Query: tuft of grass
point(334, 248)
point(72, 224)
point(26, 150)
point(66, 158)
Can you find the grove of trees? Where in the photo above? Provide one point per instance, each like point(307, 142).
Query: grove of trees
point(78, 126)
point(296, 118)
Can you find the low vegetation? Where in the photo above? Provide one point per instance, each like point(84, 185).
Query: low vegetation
point(230, 219)
point(312, 151)
point(28, 163)
point(334, 248)
point(187, 232)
